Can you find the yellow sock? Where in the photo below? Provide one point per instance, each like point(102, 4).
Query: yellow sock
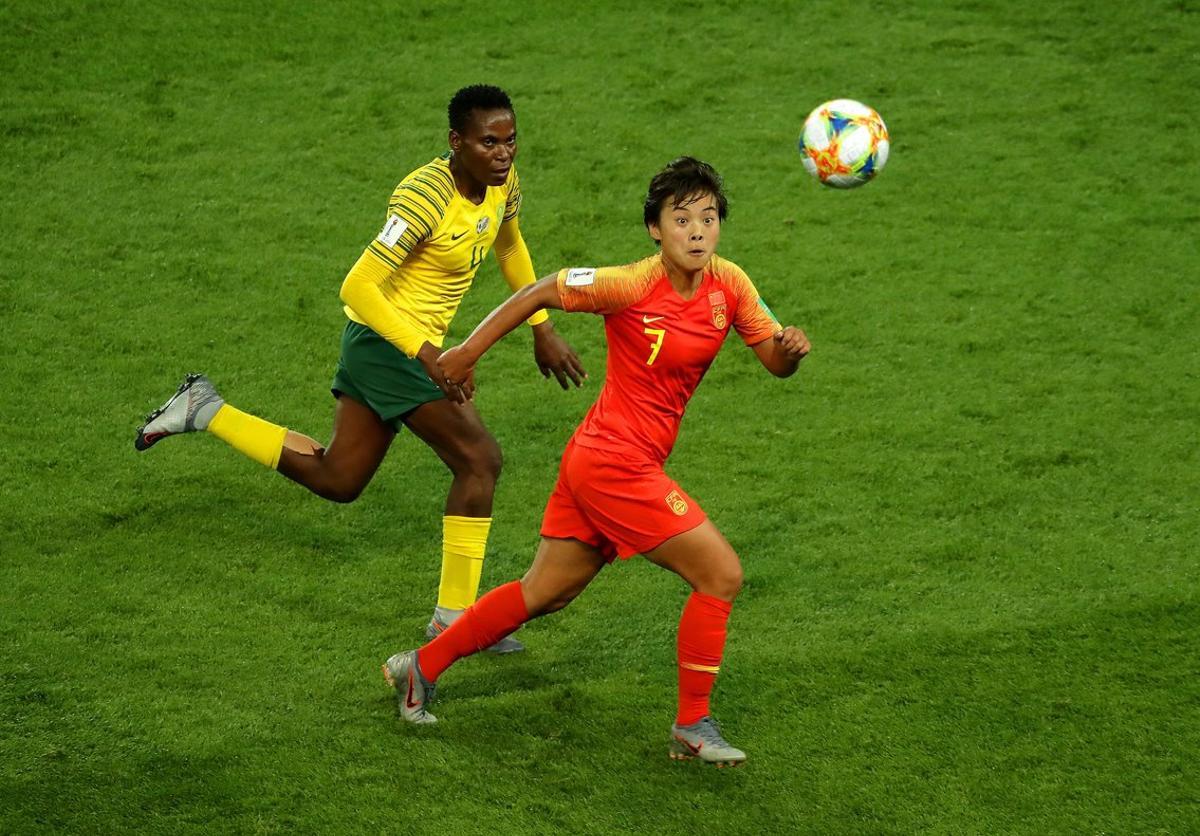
point(464, 540)
point(260, 440)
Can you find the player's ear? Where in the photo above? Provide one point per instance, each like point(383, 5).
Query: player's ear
point(653, 229)
point(455, 140)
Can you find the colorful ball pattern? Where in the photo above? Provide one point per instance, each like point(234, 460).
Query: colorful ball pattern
point(844, 143)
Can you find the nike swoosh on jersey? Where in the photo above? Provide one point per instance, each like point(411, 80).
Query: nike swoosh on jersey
point(649, 319)
point(456, 237)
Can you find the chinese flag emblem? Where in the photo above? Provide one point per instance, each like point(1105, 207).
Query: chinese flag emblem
point(717, 300)
point(677, 503)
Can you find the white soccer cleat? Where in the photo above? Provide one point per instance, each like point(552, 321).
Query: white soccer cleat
point(703, 740)
point(190, 409)
point(413, 691)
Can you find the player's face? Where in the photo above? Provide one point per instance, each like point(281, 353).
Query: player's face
point(689, 232)
point(486, 148)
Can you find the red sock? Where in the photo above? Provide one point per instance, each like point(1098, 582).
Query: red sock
point(484, 623)
point(700, 644)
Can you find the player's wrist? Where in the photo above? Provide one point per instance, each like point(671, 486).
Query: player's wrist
point(428, 353)
point(470, 352)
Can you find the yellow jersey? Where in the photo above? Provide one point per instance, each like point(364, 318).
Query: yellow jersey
point(433, 242)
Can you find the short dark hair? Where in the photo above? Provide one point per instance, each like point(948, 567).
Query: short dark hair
point(475, 97)
point(683, 178)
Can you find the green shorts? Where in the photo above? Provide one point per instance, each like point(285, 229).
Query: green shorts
point(375, 373)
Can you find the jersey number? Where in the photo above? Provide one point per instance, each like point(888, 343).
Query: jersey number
point(658, 334)
point(477, 254)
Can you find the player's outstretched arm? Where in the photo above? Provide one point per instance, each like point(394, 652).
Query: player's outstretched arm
point(457, 363)
point(781, 354)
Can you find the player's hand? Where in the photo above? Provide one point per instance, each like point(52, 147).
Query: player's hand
point(554, 355)
point(794, 343)
point(457, 380)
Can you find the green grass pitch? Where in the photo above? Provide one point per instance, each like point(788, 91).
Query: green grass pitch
point(969, 525)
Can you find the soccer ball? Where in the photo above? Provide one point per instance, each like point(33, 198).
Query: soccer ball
point(844, 143)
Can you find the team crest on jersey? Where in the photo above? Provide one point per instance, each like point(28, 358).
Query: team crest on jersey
point(677, 503)
point(716, 299)
point(482, 226)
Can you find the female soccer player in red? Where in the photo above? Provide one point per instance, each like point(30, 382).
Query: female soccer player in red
point(665, 319)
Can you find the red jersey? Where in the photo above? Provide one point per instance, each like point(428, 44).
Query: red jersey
point(659, 346)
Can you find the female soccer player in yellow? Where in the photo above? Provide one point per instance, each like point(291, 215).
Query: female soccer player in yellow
point(399, 297)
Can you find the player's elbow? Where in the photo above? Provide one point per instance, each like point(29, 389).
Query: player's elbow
point(779, 364)
point(545, 292)
point(347, 291)
point(504, 252)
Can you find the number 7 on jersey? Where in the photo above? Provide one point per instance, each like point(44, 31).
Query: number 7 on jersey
point(658, 334)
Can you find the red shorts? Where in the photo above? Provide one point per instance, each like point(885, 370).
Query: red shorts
point(622, 507)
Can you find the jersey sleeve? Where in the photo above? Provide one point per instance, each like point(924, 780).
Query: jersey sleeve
point(512, 206)
point(752, 319)
point(603, 290)
point(414, 212)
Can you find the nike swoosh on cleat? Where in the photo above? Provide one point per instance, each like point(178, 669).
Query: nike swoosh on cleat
point(695, 750)
point(149, 439)
point(409, 700)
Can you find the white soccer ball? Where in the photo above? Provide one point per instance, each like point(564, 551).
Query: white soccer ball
point(844, 143)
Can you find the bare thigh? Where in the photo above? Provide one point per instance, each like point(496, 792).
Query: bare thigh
point(561, 570)
point(703, 558)
point(457, 434)
point(340, 471)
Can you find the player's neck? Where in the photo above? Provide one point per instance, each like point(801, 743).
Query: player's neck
point(686, 282)
point(467, 186)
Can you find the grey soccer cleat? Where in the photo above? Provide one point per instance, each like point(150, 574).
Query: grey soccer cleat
point(190, 409)
point(703, 740)
point(413, 691)
point(439, 623)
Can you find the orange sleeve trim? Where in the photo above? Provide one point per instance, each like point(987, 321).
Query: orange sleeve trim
point(752, 319)
point(606, 290)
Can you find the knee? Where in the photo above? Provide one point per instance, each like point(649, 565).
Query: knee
point(342, 493)
point(492, 460)
point(484, 460)
point(547, 601)
point(726, 583)
point(340, 488)
point(557, 603)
